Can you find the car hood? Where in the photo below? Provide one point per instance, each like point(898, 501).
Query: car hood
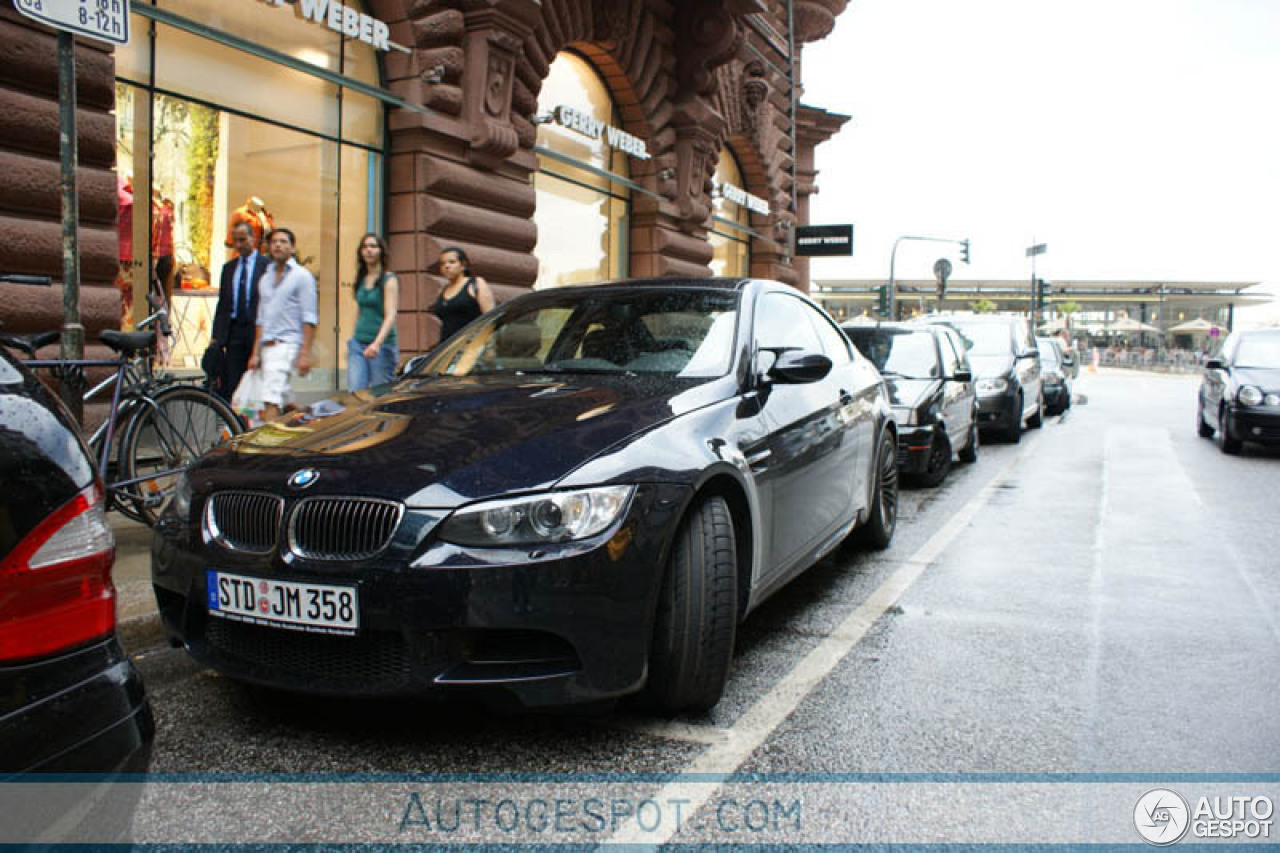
point(986, 366)
point(442, 441)
point(1266, 378)
point(909, 392)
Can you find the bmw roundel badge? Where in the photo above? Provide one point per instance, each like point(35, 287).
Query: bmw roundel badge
point(305, 477)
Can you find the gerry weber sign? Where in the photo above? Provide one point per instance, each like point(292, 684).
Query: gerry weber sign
point(104, 20)
point(344, 20)
point(590, 126)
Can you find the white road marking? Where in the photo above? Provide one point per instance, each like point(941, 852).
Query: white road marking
point(752, 729)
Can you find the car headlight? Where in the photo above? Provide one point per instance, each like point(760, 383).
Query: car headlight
point(904, 415)
point(534, 519)
point(1249, 395)
point(994, 385)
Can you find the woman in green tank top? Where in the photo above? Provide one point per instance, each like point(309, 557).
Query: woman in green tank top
point(372, 353)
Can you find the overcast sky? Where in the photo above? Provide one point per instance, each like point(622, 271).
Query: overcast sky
point(1137, 138)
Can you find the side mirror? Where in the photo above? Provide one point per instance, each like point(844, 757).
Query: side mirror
point(962, 376)
point(796, 367)
point(1214, 364)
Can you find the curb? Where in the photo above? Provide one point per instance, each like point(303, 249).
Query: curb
point(141, 633)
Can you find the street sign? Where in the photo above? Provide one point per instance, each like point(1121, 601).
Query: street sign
point(1037, 249)
point(812, 240)
point(104, 20)
point(942, 270)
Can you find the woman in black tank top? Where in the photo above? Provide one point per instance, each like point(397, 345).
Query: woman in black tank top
point(463, 298)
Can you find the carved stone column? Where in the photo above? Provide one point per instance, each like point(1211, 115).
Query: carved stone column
point(492, 44)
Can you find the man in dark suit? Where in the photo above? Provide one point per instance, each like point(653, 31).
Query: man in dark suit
point(236, 316)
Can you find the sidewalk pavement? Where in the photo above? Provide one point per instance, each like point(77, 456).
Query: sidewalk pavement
point(137, 620)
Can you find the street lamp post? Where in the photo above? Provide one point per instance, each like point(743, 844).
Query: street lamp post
point(893, 259)
point(1032, 251)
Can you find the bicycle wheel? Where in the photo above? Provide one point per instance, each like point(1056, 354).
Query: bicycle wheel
point(121, 501)
point(164, 438)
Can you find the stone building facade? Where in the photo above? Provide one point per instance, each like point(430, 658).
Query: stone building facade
point(444, 138)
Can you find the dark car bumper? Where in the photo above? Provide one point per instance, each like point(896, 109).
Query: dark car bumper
point(1057, 397)
point(81, 712)
point(914, 446)
point(999, 411)
point(573, 627)
point(1253, 424)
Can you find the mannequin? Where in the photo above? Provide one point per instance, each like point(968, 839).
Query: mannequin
point(253, 211)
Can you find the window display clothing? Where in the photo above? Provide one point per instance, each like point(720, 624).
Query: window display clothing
point(257, 217)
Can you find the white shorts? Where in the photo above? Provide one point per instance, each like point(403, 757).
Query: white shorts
point(277, 364)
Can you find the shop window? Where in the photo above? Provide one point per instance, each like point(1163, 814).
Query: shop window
point(730, 240)
point(581, 215)
point(219, 135)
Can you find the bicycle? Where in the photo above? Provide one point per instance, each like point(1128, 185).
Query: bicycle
point(156, 426)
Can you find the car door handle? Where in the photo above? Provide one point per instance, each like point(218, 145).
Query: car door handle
point(759, 456)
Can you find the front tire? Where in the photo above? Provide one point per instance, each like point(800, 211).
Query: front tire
point(1202, 429)
point(693, 633)
point(1037, 420)
point(939, 461)
point(878, 532)
point(969, 453)
point(1226, 443)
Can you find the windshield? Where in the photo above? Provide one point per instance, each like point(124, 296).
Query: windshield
point(910, 355)
point(665, 331)
point(986, 338)
point(1259, 351)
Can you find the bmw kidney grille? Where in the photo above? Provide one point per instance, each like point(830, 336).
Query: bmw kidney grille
point(319, 528)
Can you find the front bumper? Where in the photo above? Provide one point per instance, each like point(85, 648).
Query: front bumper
point(1253, 423)
point(914, 446)
point(572, 626)
point(999, 411)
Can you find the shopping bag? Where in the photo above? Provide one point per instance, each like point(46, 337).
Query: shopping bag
point(247, 399)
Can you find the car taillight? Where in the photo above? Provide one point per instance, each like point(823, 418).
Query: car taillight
point(55, 585)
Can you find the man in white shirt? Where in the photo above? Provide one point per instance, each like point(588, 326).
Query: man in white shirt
point(287, 318)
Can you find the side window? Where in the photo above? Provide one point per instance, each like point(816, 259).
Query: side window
point(783, 321)
point(950, 361)
point(834, 343)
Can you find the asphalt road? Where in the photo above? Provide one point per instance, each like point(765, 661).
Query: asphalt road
point(1099, 599)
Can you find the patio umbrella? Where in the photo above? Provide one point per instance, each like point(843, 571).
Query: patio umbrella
point(1197, 326)
point(1128, 324)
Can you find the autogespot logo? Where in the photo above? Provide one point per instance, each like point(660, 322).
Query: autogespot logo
point(1161, 817)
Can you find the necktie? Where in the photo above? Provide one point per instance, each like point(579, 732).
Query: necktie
point(241, 291)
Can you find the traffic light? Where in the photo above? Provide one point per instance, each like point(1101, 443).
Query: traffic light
point(964, 251)
point(882, 300)
point(1043, 289)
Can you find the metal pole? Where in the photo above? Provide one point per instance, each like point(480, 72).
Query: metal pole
point(893, 288)
point(72, 330)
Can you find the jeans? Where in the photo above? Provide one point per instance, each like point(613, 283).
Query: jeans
point(363, 372)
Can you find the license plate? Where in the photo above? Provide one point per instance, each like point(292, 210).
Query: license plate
point(314, 607)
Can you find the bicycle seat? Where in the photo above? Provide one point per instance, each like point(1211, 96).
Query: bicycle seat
point(127, 343)
point(30, 343)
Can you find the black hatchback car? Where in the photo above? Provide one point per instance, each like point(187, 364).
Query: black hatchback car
point(577, 497)
point(1006, 363)
point(931, 391)
point(70, 701)
point(1239, 396)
